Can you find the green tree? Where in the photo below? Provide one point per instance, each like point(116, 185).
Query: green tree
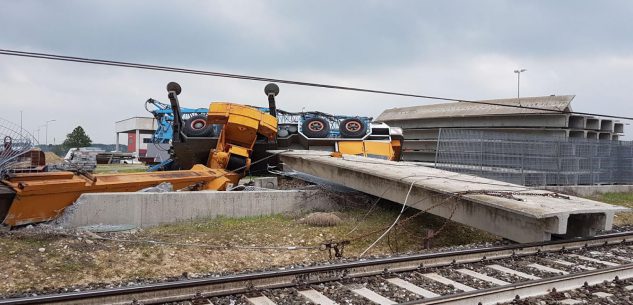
point(77, 138)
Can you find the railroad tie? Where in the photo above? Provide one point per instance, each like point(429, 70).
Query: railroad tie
point(412, 287)
point(317, 297)
point(438, 278)
point(263, 300)
point(513, 272)
point(372, 296)
point(482, 277)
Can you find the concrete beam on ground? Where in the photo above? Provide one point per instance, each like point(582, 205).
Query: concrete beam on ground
point(142, 209)
point(508, 121)
point(535, 218)
point(592, 124)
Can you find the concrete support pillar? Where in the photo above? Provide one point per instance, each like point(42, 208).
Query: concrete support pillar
point(116, 146)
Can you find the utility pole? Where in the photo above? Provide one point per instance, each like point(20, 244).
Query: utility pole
point(518, 72)
point(20, 123)
point(47, 130)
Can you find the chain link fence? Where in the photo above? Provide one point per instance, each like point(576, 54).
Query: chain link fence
point(534, 160)
point(16, 148)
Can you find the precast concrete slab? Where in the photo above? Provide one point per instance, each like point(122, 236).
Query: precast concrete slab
point(150, 209)
point(507, 121)
point(525, 215)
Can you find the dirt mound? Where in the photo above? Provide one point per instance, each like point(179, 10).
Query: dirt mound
point(320, 219)
point(52, 158)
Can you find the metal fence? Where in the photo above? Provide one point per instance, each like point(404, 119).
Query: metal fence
point(535, 160)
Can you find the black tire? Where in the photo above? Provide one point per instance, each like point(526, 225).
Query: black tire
point(316, 127)
point(197, 126)
point(352, 128)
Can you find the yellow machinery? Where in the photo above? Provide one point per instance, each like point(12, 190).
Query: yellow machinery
point(36, 197)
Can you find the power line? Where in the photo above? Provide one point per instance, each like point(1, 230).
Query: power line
point(282, 81)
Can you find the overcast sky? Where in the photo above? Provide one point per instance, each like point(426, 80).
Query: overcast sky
point(460, 49)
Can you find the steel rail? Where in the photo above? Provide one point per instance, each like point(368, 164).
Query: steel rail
point(162, 292)
point(532, 288)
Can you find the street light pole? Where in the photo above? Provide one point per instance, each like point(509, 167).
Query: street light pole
point(47, 130)
point(518, 72)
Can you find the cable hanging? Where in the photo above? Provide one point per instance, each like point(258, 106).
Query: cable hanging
point(282, 81)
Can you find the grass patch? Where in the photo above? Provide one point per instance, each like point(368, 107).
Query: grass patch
point(73, 261)
point(621, 199)
point(360, 228)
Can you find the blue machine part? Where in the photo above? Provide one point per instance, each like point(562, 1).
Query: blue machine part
point(165, 117)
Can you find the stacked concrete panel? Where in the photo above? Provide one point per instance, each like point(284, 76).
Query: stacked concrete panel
point(540, 116)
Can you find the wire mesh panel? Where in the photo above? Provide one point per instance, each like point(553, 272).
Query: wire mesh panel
point(16, 150)
point(534, 160)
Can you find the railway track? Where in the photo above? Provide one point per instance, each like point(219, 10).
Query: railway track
point(473, 276)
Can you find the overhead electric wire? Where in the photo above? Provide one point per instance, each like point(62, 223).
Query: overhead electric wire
point(282, 81)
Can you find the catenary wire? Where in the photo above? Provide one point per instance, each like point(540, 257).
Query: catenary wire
point(283, 81)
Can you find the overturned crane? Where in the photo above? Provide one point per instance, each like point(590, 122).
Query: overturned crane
point(205, 163)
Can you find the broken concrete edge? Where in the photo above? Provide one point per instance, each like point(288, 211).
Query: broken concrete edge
point(500, 216)
point(152, 209)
